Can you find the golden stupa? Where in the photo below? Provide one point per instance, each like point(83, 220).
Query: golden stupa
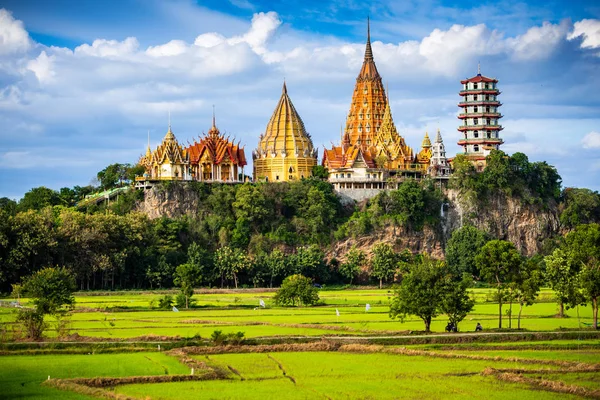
point(285, 151)
point(424, 156)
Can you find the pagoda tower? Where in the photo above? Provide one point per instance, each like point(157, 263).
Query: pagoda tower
point(368, 101)
point(169, 161)
point(438, 165)
point(285, 151)
point(480, 128)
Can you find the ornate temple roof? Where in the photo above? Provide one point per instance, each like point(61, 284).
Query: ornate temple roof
point(368, 70)
point(285, 134)
point(424, 155)
point(169, 151)
point(215, 148)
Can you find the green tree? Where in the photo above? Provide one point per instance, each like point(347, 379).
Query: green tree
point(51, 289)
point(562, 278)
point(410, 204)
point(581, 206)
point(112, 176)
point(384, 262)
point(38, 198)
point(296, 290)
point(455, 301)
point(229, 263)
point(355, 260)
point(526, 285)
point(186, 277)
point(462, 248)
point(320, 172)
point(499, 261)
point(276, 264)
point(589, 278)
point(420, 293)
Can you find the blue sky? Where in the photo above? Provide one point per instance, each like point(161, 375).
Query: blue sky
point(81, 83)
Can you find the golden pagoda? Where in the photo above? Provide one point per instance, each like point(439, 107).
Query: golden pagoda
point(424, 156)
point(168, 162)
point(285, 151)
point(368, 101)
point(371, 146)
point(215, 158)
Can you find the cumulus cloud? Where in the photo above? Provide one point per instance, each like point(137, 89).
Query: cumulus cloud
point(42, 67)
point(262, 29)
point(591, 140)
point(13, 36)
point(173, 48)
point(589, 30)
point(108, 48)
point(539, 41)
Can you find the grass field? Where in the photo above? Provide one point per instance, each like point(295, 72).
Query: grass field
point(129, 316)
point(335, 374)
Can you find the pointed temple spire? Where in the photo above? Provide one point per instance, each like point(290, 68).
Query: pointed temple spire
point(478, 68)
point(214, 123)
point(368, 50)
point(284, 89)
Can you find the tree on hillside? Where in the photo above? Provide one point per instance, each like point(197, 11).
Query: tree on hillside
point(355, 260)
point(420, 292)
point(499, 261)
point(112, 176)
point(276, 264)
point(38, 198)
point(320, 172)
point(462, 248)
point(384, 262)
point(581, 206)
point(51, 289)
point(296, 290)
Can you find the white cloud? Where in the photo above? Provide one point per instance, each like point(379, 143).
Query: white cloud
point(263, 27)
point(108, 48)
point(591, 140)
point(539, 41)
point(13, 36)
point(173, 48)
point(209, 40)
point(42, 67)
point(590, 30)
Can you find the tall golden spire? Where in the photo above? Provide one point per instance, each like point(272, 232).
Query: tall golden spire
point(368, 70)
point(368, 50)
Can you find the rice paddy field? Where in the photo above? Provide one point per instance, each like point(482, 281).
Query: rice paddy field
point(340, 357)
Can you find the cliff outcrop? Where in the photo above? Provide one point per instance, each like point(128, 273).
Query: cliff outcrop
point(501, 216)
point(169, 200)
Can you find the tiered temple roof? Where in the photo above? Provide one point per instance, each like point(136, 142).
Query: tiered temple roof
point(215, 148)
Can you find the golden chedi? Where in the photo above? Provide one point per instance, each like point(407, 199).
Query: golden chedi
point(424, 156)
point(285, 151)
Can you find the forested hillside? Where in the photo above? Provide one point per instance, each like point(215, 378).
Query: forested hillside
point(257, 234)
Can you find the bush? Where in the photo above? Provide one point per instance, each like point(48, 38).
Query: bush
point(180, 301)
point(296, 290)
point(217, 337)
point(166, 302)
point(32, 322)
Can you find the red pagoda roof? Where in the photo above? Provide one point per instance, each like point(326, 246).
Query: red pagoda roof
point(479, 78)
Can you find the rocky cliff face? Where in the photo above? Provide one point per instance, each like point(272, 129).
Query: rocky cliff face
point(174, 200)
point(507, 218)
point(525, 225)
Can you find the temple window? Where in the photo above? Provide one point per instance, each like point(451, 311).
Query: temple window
point(360, 116)
point(359, 127)
point(487, 109)
point(489, 121)
point(476, 134)
point(475, 97)
point(475, 121)
point(365, 90)
point(277, 177)
point(368, 116)
point(348, 175)
point(336, 176)
point(476, 147)
point(475, 109)
point(368, 128)
point(474, 86)
point(489, 134)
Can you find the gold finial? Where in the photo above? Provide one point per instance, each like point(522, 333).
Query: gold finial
point(169, 119)
point(214, 122)
point(478, 68)
point(284, 89)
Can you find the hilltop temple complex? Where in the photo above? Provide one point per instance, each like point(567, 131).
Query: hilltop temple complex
point(371, 156)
